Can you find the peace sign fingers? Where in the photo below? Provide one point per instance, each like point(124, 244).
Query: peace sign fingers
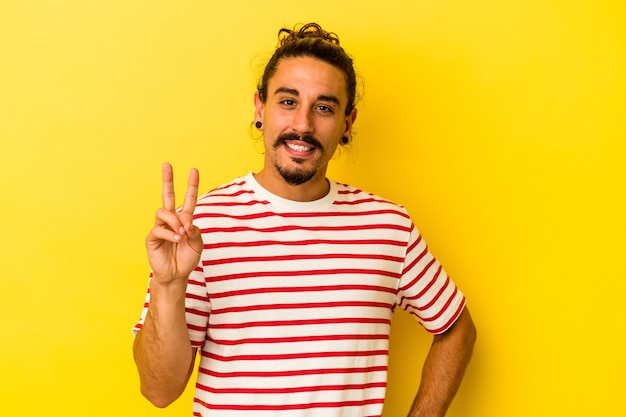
point(174, 244)
point(185, 214)
point(169, 196)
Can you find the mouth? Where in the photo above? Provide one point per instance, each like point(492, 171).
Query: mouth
point(299, 145)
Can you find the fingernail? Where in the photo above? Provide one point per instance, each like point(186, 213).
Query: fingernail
point(181, 230)
point(176, 237)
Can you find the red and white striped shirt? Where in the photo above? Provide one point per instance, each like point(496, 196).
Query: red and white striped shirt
point(292, 302)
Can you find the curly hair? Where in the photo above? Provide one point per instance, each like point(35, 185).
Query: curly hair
point(313, 41)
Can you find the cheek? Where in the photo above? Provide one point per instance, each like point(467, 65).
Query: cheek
point(275, 123)
point(268, 142)
point(337, 132)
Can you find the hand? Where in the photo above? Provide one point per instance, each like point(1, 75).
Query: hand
point(174, 244)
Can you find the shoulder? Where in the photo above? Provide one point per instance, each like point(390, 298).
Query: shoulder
point(361, 203)
point(348, 194)
point(236, 193)
point(233, 188)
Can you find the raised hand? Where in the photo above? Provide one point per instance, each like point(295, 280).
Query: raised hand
point(174, 244)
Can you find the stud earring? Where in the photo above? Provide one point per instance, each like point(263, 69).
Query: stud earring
point(258, 125)
point(345, 140)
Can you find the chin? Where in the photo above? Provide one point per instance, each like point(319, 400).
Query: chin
point(296, 176)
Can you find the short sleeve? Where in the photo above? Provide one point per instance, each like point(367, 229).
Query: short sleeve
point(425, 290)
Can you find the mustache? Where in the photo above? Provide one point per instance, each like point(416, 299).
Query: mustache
point(311, 140)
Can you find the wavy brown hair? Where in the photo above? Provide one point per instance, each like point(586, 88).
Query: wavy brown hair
point(313, 41)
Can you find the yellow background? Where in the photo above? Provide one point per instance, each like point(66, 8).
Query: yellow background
point(499, 124)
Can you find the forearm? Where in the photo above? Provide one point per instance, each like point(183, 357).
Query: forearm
point(444, 368)
point(162, 349)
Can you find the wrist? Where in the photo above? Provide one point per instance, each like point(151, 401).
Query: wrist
point(167, 292)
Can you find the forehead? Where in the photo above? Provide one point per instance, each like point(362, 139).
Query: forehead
point(309, 75)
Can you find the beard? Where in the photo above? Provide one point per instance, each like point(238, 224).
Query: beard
point(297, 175)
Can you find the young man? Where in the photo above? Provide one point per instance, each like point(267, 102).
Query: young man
point(287, 281)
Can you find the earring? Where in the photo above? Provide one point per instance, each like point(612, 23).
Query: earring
point(345, 140)
point(258, 125)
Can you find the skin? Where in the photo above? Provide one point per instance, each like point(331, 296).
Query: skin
point(303, 122)
point(305, 97)
point(162, 349)
point(443, 370)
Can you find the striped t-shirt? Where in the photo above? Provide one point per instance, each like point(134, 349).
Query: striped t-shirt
point(291, 304)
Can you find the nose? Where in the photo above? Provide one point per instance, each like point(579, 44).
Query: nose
point(302, 121)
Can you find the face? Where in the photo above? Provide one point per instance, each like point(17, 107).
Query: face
point(303, 119)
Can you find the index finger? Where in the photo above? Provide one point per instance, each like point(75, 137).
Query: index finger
point(191, 196)
point(167, 194)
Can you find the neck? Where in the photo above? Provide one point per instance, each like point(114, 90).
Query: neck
point(314, 189)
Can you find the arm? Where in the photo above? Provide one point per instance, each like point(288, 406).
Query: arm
point(162, 349)
point(444, 367)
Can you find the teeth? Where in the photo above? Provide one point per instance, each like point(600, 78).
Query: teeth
point(298, 148)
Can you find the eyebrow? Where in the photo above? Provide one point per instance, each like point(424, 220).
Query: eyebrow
point(296, 93)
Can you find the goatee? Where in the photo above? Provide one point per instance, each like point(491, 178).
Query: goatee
point(296, 176)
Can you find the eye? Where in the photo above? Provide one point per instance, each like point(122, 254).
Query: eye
point(325, 109)
point(288, 102)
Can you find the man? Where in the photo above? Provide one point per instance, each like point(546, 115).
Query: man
point(287, 281)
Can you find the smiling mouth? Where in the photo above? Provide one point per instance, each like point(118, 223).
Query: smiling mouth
point(299, 144)
point(298, 148)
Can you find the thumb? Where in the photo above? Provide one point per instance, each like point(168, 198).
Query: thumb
point(194, 237)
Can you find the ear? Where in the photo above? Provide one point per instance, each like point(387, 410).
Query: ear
point(350, 122)
point(259, 107)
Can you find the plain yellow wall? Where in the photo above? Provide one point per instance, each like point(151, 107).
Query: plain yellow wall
point(500, 125)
